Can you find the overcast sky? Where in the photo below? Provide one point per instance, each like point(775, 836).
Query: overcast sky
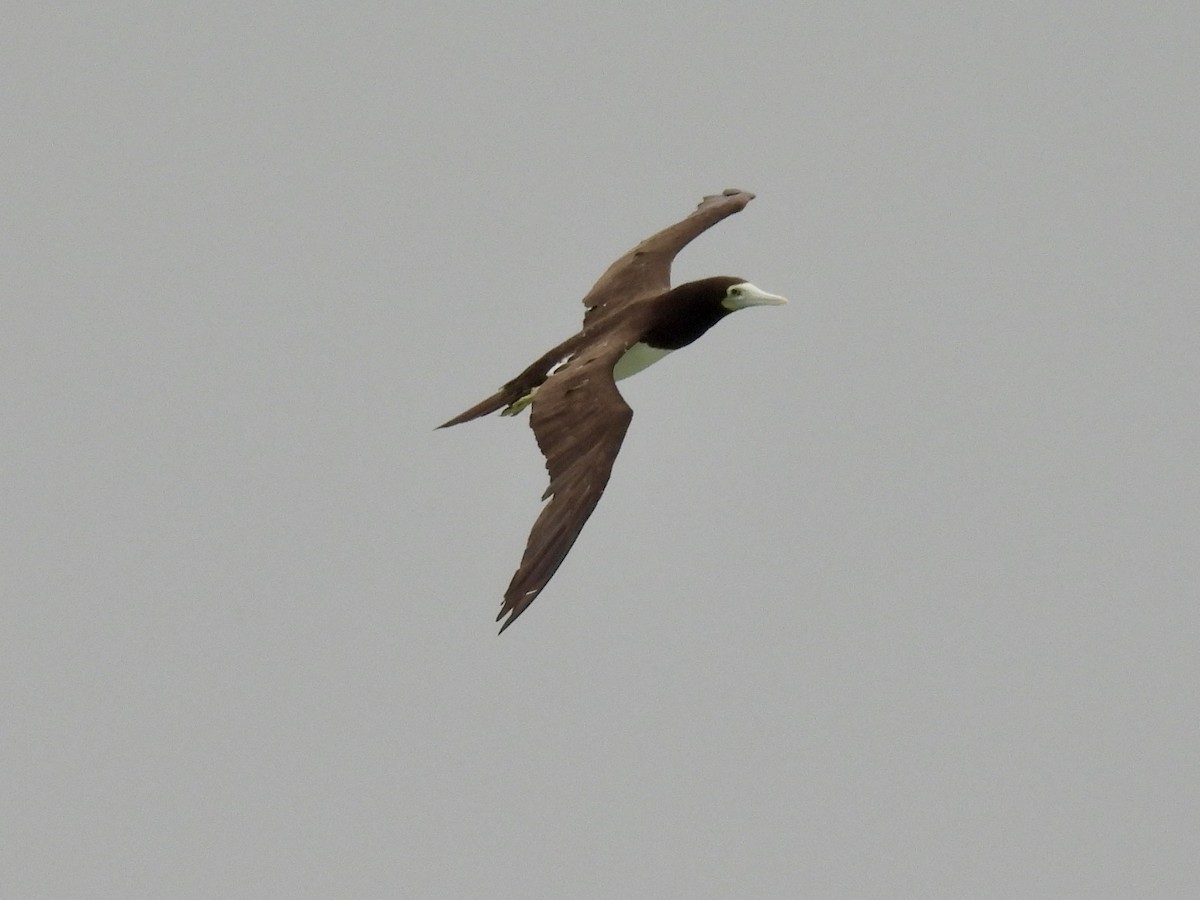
point(893, 592)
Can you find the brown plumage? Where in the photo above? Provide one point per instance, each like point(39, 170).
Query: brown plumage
point(578, 416)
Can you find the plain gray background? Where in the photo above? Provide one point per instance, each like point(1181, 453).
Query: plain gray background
point(894, 590)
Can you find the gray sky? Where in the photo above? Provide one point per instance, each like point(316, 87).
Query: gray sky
point(893, 593)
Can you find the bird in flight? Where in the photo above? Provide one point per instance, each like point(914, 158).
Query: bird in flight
point(632, 319)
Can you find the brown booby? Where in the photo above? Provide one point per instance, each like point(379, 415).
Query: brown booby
point(633, 318)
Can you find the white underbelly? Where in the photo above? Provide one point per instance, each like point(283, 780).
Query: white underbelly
point(639, 356)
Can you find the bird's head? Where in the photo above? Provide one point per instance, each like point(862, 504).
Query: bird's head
point(740, 294)
point(698, 305)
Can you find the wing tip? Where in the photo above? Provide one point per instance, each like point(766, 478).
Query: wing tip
point(727, 194)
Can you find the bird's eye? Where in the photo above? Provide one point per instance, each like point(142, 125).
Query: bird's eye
point(735, 291)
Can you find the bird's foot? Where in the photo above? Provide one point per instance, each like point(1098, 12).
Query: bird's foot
point(519, 404)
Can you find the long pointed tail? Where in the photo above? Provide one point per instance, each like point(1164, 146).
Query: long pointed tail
point(520, 388)
point(498, 400)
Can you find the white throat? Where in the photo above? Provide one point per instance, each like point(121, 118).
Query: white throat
point(639, 356)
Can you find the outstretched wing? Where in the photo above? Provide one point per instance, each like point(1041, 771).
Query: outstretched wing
point(646, 269)
point(579, 419)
